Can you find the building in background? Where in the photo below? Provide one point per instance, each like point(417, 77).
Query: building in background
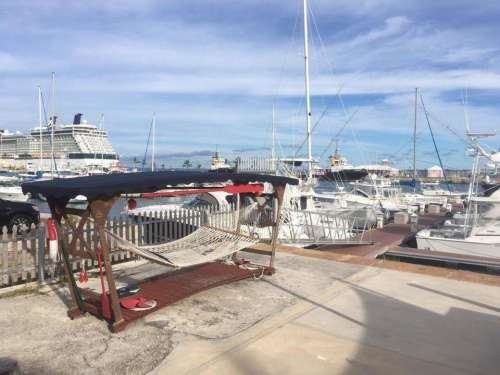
point(435, 172)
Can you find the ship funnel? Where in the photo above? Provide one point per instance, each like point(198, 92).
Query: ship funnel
point(78, 119)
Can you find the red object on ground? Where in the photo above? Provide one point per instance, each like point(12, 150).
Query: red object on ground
point(130, 303)
point(106, 310)
point(231, 189)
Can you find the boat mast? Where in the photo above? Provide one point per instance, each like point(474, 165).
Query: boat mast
point(153, 131)
point(273, 145)
point(53, 105)
point(40, 127)
point(308, 100)
point(415, 139)
point(101, 128)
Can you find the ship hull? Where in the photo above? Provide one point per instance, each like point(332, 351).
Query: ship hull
point(344, 175)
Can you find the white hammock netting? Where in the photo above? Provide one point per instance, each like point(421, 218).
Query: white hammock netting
point(206, 244)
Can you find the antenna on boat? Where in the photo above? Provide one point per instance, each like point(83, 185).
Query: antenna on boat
point(308, 99)
point(40, 126)
point(153, 131)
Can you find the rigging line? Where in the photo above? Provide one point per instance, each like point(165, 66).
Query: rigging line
point(44, 111)
point(282, 68)
point(323, 50)
point(405, 144)
point(466, 112)
point(47, 124)
point(434, 141)
point(147, 146)
point(449, 128)
point(318, 122)
point(332, 75)
point(357, 145)
point(338, 133)
point(287, 55)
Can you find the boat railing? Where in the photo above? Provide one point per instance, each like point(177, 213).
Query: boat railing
point(319, 228)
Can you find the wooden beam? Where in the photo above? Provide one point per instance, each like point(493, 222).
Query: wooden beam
point(78, 234)
point(99, 209)
point(75, 308)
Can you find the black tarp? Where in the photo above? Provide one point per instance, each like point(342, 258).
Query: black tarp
point(112, 185)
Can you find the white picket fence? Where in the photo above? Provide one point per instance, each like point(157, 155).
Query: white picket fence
point(24, 257)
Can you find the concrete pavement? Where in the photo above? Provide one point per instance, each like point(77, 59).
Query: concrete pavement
point(376, 322)
point(314, 316)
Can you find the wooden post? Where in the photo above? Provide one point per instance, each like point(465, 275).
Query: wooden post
point(238, 203)
point(76, 307)
point(99, 209)
point(279, 191)
point(40, 253)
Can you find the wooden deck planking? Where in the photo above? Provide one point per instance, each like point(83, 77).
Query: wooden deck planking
point(171, 287)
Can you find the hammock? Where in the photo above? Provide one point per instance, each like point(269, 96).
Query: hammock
point(206, 244)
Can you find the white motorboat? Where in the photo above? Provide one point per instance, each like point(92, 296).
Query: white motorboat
point(483, 240)
point(12, 192)
point(434, 190)
point(477, 233)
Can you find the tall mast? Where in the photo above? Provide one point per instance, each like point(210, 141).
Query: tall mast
point(153, 131)
point(415, 137)
point(53, 105)
point(40, 126)
point(308, 100)
point(101, 128)
point(273, 145)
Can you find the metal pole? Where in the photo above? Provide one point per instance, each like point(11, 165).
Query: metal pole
point(53, 123)
point(153, 146)
point(273, 149)
point(40, 126)
point(415, 138)
point(308, 100)
point(102, 139)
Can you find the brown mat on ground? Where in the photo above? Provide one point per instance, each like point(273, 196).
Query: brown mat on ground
point(171, 287)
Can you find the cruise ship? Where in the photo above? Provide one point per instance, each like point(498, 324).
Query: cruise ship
point(75, 146)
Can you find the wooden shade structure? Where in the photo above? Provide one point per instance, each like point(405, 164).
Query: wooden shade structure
point(102, 191)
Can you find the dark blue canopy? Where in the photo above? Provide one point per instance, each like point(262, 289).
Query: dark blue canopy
point(112, 185)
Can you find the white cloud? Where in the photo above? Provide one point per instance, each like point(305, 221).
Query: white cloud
point(203, 70)
point(392, 26)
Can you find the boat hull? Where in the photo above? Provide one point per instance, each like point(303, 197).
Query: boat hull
point(344, 175)
point(459, 246)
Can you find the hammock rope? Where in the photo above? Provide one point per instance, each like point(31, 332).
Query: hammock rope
point(206, 244)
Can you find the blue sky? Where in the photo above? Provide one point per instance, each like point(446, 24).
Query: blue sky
point(212, 71)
